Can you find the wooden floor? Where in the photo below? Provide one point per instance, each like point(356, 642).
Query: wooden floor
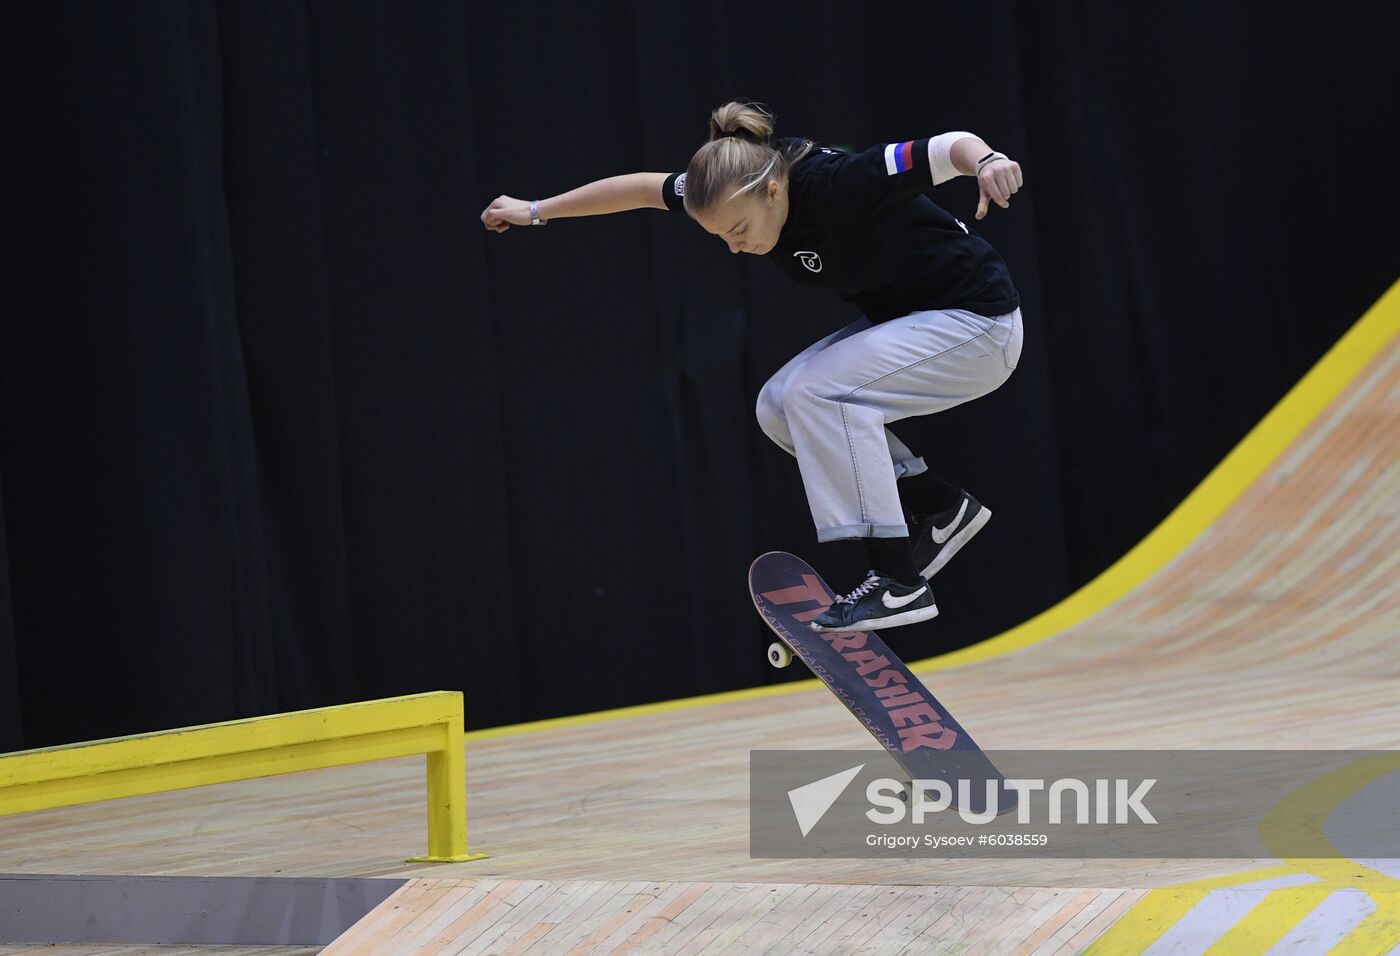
point(517, 916)
point(48, 950)
point(1279, 628)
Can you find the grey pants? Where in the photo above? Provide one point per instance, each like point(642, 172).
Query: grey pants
point(829, 407)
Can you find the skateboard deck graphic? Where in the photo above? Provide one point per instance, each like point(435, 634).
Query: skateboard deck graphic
point(864, 674)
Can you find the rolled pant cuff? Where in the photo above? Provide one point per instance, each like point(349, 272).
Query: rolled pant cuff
point(910, 468)
point(842, 532)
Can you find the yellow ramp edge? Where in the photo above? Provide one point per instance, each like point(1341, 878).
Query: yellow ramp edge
point(1255, 453)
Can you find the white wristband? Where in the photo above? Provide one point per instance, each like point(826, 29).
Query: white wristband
point(940, 156)
point(535, 219)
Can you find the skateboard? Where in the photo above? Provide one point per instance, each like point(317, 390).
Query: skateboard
point(864, 674)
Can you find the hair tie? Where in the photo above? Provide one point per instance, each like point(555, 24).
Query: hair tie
point(723, 133)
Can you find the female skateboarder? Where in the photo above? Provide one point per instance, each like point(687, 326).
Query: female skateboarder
point(941, 323)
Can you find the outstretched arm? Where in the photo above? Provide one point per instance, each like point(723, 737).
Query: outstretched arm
point(600, 197)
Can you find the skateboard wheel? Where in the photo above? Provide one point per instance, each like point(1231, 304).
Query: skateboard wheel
point(779, 654)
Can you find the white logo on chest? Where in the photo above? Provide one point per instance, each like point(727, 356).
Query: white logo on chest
point(811, 260)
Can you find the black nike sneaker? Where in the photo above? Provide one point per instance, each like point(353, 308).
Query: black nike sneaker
point(936, 538)
point(880, 602)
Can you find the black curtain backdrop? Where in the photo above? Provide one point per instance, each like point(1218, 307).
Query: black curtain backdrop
point(282, 426)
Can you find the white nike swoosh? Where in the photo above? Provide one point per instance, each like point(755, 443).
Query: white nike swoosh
point(943, 535)
point(893, 603)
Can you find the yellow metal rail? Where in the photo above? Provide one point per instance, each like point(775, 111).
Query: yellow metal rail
point(260, 747)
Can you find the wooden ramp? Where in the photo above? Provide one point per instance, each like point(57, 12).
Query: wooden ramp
point(1278, 627)
point(579, 916)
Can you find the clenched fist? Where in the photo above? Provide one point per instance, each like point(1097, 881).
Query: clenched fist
point(997, 181)
point(505, 212)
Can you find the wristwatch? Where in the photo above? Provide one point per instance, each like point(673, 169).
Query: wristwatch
point(535, 219)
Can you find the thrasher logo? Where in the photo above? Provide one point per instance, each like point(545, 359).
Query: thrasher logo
point(916, 721)
point(811, 260)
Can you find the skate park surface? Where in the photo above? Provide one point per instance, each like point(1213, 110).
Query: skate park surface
point(1263, 612)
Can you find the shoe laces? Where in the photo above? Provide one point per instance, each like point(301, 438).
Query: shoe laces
point(872, 581)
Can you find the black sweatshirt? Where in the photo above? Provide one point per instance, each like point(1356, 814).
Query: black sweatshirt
point(862, 225)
